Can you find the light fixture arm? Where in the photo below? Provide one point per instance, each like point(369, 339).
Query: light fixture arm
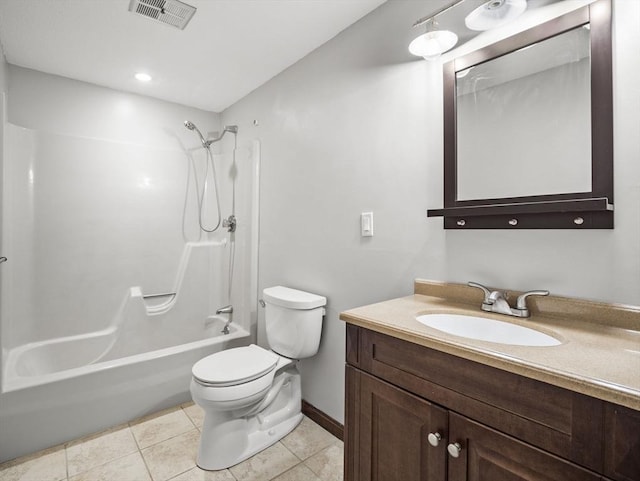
point(433, 16)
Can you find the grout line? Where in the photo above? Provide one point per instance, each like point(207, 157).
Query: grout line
point(189, 418)
point(66, 461)
point(135, 440)
point(172, 437)
point(146, 466)
point(179, 474)
point(294, 454)
point(96, 436)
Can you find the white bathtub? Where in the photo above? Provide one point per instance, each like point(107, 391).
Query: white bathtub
point(66, 404)
point(54, 360)
point(101, 321)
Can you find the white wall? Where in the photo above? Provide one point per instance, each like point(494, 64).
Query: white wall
point(357, 126)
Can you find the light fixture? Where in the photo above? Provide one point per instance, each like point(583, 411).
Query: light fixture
point(494, 13)
point(142, 77)
point(434, 43)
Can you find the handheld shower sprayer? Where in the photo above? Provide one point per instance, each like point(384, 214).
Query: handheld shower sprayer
point(191, 126)
point(206, 143)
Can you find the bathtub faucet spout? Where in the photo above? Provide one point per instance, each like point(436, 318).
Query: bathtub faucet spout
point(226, 310)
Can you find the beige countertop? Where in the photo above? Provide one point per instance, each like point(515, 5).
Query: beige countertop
point(599, 355)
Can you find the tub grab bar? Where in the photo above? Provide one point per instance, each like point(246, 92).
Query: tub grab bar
point(150, 296)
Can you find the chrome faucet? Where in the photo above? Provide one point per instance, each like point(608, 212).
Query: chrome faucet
point(230, 223)
point(226, 310)
point(497, 301)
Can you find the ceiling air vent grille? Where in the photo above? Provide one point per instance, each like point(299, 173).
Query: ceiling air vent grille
point(171, 12)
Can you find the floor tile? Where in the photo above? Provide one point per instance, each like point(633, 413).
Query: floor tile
point(298, 473)
point(157, 428)
point(328, 463)
point(197, 474)
point(164, 446)
point(172, 457)
point(265, 465)
point(87, 453)
point(130, 467)
point(307, 439)
point(48, 465)
point(195, 413)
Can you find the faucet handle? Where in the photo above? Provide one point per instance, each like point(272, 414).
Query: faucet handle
point(487, 292)
point(521, 302)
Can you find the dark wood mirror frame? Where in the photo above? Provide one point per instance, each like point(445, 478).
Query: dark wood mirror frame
point(584, 210)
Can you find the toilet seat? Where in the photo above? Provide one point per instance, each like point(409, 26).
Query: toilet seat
point(240, 365)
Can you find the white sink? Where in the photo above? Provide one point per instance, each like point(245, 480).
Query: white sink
point(484, 329)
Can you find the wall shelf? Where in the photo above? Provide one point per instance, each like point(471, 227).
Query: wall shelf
point(589, 213)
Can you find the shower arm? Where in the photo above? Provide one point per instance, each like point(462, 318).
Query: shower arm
point(227, 128)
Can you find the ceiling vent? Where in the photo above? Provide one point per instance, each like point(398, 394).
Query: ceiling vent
point(171, 12)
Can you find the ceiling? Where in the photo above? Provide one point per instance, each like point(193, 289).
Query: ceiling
point(229, 48)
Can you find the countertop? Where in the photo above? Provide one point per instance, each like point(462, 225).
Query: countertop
point(599, 355)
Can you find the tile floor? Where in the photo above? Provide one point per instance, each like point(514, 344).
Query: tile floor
point(163, 447)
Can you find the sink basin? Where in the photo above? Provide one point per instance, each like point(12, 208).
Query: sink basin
point(484, 329)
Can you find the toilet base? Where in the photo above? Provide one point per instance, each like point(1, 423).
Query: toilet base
point(229, 438)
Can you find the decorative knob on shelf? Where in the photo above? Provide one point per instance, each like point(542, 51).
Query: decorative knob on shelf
point(454, 449)
point(434, 439)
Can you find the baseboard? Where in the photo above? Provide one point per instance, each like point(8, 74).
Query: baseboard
point(322, 419)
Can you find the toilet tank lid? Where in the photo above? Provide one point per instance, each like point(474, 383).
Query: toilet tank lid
point(292, 298)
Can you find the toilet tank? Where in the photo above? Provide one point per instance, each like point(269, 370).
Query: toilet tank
point(293, 321)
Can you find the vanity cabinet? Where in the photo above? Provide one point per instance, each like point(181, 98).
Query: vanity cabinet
point(622, 452)
point(413, 413)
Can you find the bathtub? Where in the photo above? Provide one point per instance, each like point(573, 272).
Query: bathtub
point(100, 324)
point(49, 361)
point(60, 405)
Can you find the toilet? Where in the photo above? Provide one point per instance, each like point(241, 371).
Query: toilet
point(251, 396)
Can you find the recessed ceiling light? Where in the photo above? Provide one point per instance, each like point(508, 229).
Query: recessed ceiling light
point(143, 77)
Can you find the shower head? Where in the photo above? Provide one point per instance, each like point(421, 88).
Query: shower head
point(206, 143)
point(191, 126)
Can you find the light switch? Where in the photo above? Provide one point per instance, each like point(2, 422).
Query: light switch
point(366, 224)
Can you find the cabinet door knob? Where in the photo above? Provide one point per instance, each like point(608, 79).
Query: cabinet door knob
point(454, 449)
point(434, 439)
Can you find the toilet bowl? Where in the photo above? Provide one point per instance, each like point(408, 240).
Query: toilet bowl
point(251, 396)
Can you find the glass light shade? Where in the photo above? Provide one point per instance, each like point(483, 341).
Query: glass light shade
point(432, 44)
point(494, 13)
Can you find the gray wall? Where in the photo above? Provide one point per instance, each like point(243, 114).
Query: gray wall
point(357, 126)
point(3, 92)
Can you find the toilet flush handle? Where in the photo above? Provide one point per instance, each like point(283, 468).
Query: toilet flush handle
point(261, 302)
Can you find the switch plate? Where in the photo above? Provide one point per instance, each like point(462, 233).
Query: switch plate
point(366, 224)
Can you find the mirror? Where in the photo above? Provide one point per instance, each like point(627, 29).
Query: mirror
point(529, 130)
point(523, 121)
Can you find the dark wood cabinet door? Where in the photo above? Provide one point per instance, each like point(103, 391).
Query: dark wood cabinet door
point(488, 455)
point(622, 443)
point(393, 435)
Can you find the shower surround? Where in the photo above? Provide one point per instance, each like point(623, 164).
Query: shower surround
point(111, 288)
